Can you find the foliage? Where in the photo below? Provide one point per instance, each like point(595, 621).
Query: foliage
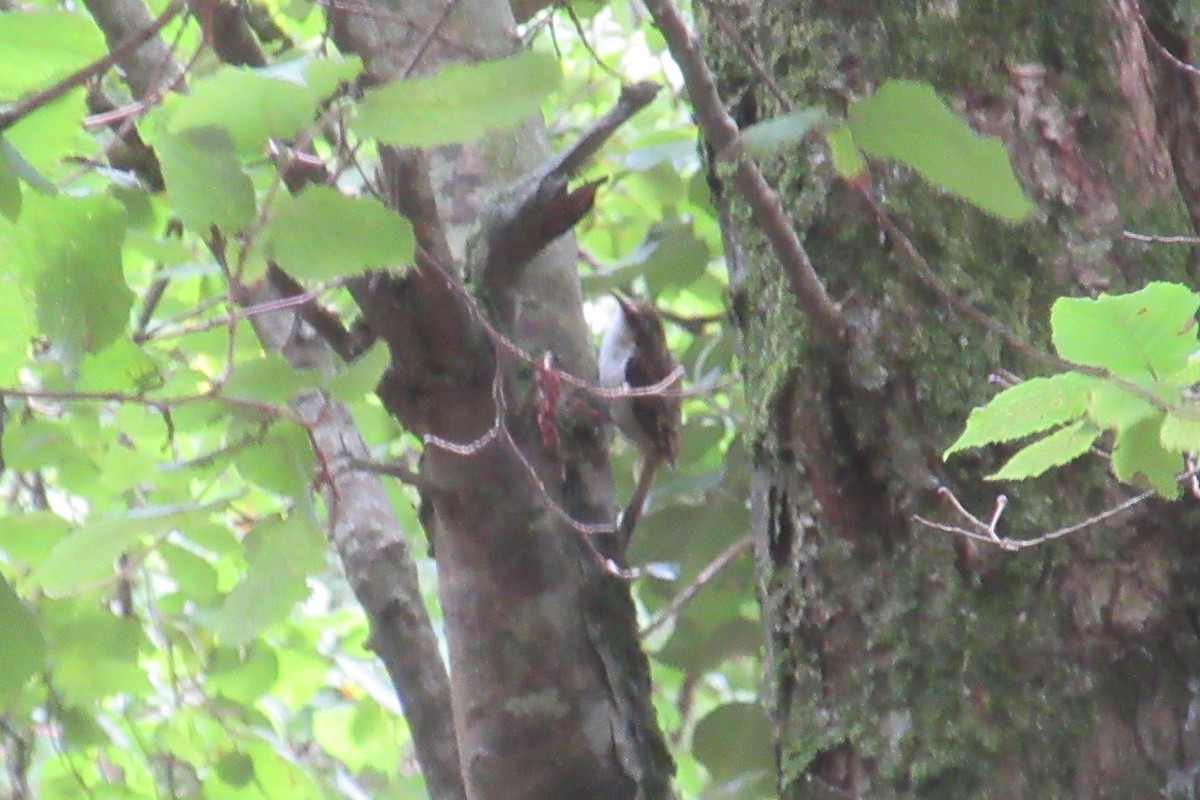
point(1137, 355)
point(173, 621)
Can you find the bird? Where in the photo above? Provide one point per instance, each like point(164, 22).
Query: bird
point(634, 355)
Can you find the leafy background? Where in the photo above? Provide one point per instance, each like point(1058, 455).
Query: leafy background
point(174, 624)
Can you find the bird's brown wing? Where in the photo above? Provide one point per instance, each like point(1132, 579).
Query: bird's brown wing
point(659, 416)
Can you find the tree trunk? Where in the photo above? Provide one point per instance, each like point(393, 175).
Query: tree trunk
point(905, 662)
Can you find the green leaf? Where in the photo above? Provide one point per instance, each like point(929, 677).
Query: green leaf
point(243, 674)
point(734, 740)
point(41, 443)
point(323, 234)
point(678, 258)
point(281, 463)
point(1181, 429)
point(93, 653)
point(323, 75)
point(24, 651)
point(906, 121)
point(362, 735)
point(39, 48)
point(1030, 407)
point(281, 554)
point(87, 556)
point(251, 106)
point(765, 138)
point(10, 187)
point(1138, 451)
point(69, 250)
point(1114, 407)
point(847, 158)
point(205, 183)
point(459, 104)
point(361, 377)
point(1147, 334)
point(48, 138)
point(120, 367)
point(269, 380)
point(1060, 447)
point(29, 538)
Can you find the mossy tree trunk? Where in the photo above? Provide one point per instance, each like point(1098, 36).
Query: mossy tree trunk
point(905, 662)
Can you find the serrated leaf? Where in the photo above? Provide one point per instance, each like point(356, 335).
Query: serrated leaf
point(1181, 429)
point(1143, 335)
point(251, 106)
point(1060, 447)
point(269, 380)
point(120, 367)
point(68, 250)
point(323, 234)
point(24, 650)
point(93, 653)
point(906, 121)
point(281, 555)
point(764, 138)
point(460, 103)
point(324, 74)
point(1115, 407)
point(282, 462)
point(1137, 451)
point(243, 674)
point(205, 182)
point(47, 138)
point(87, 556)
point(1036, 405)
point(361, 377)
point(847, 158)
point(39, 48)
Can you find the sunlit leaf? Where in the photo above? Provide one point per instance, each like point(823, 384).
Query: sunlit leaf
point(205, 182)
point(323, 234)
point(251, 106)
point(765, 138)
point(1137, 451)
point(24, 650)
point(1033, 406)
point(907, 121)
point(69, 251)
point(1147, 334)
point(459, 104)
point(10, 187)
point(39, 48)
point(1061, 447)
point(282, 554)
point(88, 556)
point(282, 462)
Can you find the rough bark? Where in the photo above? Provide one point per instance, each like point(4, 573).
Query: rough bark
point(906, 664)
point(549, 686)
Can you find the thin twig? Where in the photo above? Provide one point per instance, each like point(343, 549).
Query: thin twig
point(705, 577)
point(1154, 238)
point(987, 533)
